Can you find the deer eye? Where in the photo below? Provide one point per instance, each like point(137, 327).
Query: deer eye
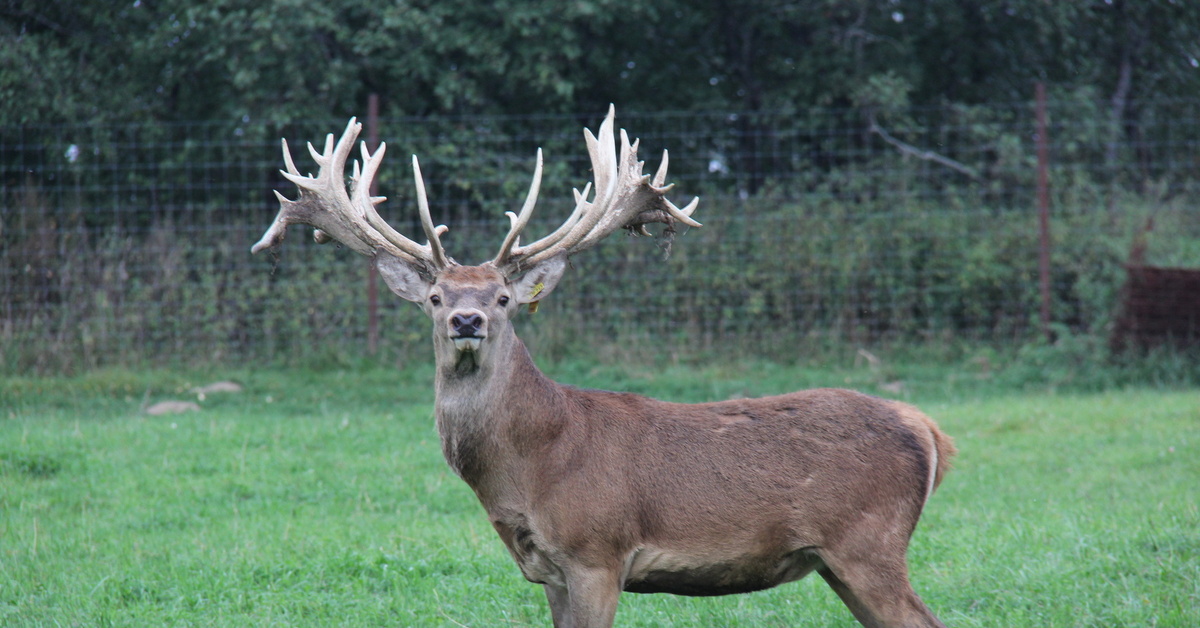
point(503, 299)
point(435, 299)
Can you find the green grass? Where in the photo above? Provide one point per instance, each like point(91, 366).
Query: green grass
point(319, 497)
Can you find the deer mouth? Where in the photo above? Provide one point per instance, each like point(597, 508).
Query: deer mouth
point(467, 343)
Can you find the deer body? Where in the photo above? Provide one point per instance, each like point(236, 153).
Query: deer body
point(595, 492)
point(648, 486)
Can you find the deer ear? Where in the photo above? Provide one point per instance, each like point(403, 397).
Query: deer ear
point(540, 280)
point(401, 278)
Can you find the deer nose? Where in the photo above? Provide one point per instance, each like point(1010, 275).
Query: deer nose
point(466, 323)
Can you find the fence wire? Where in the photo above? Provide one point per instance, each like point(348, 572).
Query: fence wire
point(130, 244)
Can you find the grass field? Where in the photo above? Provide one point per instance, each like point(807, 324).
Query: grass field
point(319, 498)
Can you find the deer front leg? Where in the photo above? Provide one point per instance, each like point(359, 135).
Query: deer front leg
point(560, 605)
point(589, 599)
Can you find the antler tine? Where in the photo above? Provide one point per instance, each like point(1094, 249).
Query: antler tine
point(624, 198)
point(520, 220)
point(435, 242)
point(660, 176)
point(363, 199)
point(349, 218)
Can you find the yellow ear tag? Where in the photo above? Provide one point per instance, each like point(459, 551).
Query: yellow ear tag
point(537, 289)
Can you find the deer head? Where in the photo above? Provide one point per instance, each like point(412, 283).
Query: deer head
point(471, 306)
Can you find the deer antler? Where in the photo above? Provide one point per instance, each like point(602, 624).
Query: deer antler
point(625, 198)
point(351, 218)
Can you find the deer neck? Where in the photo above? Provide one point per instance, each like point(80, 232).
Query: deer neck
point(496, 413)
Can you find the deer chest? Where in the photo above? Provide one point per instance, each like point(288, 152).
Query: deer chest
point(530, 554)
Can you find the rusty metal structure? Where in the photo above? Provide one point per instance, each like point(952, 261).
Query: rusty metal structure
point(1159, 306)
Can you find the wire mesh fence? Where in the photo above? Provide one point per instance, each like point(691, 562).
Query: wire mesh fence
point(127, 244)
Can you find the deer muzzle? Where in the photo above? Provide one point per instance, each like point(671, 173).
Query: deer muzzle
point(468, 328)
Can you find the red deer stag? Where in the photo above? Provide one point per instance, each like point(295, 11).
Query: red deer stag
point(594, 492)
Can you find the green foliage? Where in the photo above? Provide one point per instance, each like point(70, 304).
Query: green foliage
point(287, 60)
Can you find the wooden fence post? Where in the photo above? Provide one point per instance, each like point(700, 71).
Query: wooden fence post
point(1043, 200)
point(373, 273)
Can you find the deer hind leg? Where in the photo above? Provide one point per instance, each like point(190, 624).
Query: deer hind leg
point(878, 593)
